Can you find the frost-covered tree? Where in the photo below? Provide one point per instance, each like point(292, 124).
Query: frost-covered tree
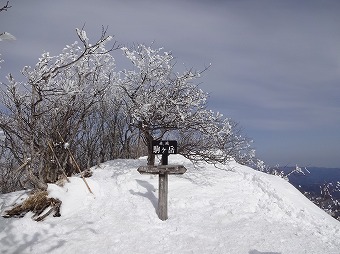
point(75, 102)
point(216, 141)
point(51, 107)
point(162, 102)
point(156, 98)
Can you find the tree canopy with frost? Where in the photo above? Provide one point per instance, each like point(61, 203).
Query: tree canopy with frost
point(161, 101)
point(156, 98)
point(53, 104)
point(77, 98)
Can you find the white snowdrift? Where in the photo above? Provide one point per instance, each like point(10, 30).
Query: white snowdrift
point(233, 210)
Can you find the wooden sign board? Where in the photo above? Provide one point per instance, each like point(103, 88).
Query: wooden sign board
point(164, 147)
point(162, 169)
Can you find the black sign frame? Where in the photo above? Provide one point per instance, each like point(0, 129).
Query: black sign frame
point(165, 147)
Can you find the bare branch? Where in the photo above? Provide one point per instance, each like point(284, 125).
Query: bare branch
point(6, 7)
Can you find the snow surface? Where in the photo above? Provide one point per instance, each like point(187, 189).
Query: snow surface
point(230, 210)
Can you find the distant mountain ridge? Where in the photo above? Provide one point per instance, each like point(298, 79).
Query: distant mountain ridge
point(314, 178)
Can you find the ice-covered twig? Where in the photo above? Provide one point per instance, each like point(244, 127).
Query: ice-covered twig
point(6, 36)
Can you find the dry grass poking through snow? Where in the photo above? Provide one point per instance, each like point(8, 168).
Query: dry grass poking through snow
point(36, 203)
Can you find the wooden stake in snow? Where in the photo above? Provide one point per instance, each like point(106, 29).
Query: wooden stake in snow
point(58, 162)
point(75, 162)
point(165, 148)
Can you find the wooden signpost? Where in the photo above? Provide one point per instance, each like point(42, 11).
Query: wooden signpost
point(165, 148)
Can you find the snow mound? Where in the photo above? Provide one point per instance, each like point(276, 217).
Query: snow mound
point(230, 209)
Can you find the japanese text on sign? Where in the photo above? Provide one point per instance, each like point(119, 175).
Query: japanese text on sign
point(164, 147)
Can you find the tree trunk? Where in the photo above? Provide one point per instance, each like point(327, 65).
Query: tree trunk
point(148, 140)
point(151, 158)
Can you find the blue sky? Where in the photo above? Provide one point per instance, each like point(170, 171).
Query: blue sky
point(275, 65)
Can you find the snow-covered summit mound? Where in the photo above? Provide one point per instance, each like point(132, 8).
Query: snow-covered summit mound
point(230, 210)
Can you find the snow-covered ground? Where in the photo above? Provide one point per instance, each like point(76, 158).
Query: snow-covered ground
point(230, 210)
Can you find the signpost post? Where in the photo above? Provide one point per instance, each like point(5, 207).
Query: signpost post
point(165, 148)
